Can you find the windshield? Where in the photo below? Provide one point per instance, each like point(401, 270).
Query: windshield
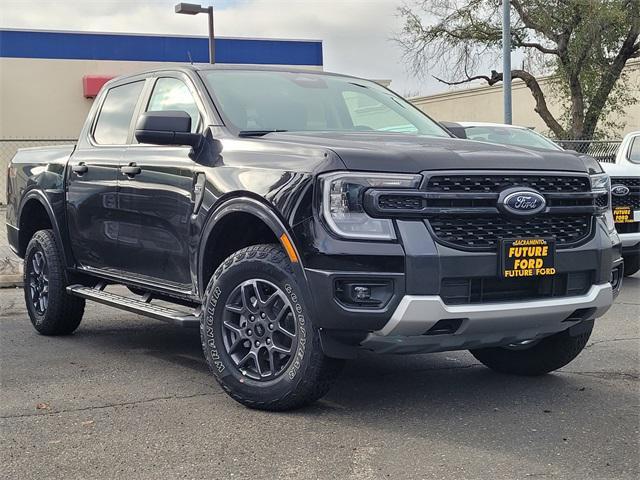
point(521, 137)
point(261, 101)
point(634, 151)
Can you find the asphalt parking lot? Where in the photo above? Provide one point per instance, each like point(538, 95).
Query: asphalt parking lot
point(128, 397)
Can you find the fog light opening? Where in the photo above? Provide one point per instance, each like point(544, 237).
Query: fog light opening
point(616, 277)
point(446, 326)
point(363, 293)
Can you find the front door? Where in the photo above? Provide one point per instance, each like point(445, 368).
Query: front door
point(93, 173)
point(156, 197)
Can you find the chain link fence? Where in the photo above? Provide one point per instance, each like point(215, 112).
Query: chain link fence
point(601, 150)
point(9, 147)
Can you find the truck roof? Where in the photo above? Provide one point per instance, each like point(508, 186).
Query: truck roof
point(186, 67)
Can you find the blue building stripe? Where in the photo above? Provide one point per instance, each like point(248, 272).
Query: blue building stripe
point(152, 48)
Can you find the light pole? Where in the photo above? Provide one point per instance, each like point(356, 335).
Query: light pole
point(506, 60)
point(193, 9)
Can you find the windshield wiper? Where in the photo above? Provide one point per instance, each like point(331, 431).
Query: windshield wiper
point(257, 133)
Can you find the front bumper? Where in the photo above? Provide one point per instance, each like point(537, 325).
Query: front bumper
point(483, 325)
point(630, 243)
point(418, 267)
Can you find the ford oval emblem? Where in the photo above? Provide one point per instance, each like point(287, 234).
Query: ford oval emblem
point(620, 190)
point(523, 202)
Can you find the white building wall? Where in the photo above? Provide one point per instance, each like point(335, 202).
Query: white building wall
point(484, 104)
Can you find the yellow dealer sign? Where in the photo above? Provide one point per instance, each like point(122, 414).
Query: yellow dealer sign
point(527, 257)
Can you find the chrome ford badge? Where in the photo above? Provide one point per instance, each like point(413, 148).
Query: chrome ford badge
point(522, 202)
point(619, 190)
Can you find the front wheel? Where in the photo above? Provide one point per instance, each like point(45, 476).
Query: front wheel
point(541, 357)
point(51, 310)
point(258, 336)
point(631, 265)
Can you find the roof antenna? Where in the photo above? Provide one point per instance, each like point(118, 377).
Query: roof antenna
point(189, 55)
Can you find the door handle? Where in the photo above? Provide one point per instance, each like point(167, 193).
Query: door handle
point(131, 170)
point(80, 169)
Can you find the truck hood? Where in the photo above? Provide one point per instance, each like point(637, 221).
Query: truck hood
point(624, 170)
point(389, 152)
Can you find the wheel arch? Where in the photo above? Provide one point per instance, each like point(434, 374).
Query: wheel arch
point(36, 213)
point(265, 226)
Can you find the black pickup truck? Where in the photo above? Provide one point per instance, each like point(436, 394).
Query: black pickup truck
point(298, 218)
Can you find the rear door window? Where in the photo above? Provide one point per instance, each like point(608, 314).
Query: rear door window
point(114, 119)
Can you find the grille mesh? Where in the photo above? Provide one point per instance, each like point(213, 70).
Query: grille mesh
point(458, 291)
point(632, 199)
point(485, 232)
point(602, 200)
point(400, 202)
point(626, 201)
point(628, 181)
point(628, 227)
point(496, 183)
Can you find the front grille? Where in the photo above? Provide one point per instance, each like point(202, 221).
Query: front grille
point(485, 232)
point(463, 213)
point(627, 201)
point(400, 202)
point(497, 183)
point(633, 227)
point(628, 181)
point(459, 291)
point(632, 199)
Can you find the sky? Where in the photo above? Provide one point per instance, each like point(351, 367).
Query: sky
point(356, 34)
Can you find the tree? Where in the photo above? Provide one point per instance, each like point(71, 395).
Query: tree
point(583, 44)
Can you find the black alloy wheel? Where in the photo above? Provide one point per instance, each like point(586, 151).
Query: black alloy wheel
point(38, 276)
point(51, 309)
point(259, 329)
point(258, 335)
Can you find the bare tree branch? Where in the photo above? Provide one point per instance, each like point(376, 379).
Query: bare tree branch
point(466, 80)
point(532, 84)
point(585, 44)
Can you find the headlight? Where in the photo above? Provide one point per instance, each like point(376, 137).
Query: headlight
point(342, 203)
point(600, 183)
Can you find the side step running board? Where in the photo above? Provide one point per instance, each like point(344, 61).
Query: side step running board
point(97, 294)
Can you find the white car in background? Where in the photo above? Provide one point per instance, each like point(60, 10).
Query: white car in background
point(624, 173)
point(625, 199)
point(502, 134)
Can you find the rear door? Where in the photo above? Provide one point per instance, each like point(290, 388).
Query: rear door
point(157, 201)
point(93, 178)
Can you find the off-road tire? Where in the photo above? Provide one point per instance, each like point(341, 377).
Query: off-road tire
point(631, 265)
point(63, 312)
point(311, 373)
point(547, 355)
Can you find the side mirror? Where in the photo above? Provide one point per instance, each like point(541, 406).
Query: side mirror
point(166, 128)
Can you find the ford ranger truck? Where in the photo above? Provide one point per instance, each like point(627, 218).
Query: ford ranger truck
point(625, 199)
point(300, 218)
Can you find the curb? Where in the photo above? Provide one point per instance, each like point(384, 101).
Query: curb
point(10, 281)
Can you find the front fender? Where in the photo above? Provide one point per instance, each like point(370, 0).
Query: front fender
point(262, 211)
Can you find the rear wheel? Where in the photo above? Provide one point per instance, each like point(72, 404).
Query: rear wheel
point(538, 358)
point(631, 265)
point(51, 310)
point(257, 335)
